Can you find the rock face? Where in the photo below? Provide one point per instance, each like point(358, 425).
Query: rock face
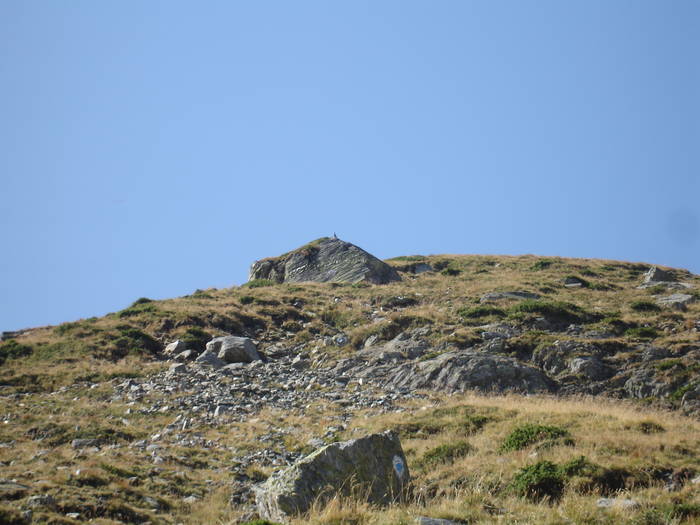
point(232, 349)
point(325, 260)
point(373, 467)
point(464, 370)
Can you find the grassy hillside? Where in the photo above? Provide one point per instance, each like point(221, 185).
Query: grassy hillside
point(57, 384)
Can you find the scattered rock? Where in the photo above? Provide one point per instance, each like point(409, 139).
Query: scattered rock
point(620, 503)
point(85, 443)
point(209, 358)
point(591, 367)
point(43, 500)
point(325, 260)
point(373, 467)
point(420, 520)
point(497, 296)
point(177, 368)
point(677, 301)
point(187, 355)
point(574, 282)
point(9, 490)
point(175, 347)
point(232, 349)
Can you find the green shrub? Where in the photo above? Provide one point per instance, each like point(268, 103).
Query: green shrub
point(649, 427)
point(542, 264)
point(259, 283)
point(565, 312)
point(451, 272)
point(668, 364)
point(261, 522)
point(246, 299)
point(447, 452)
point(642, 332)
point(539, 481)
point(644, 306)
point(579, 466)
point(131, 340)
point(528, 434)
point(138, 308)
point(196, 338)
point(141, 300)
point(480, 311)
point(11, 349)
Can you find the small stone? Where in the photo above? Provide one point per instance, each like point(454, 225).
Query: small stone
point(85, 443)
point(177, 368)
point(175, 347)
point(621, 503)
point(43, 500)
point(420, 520)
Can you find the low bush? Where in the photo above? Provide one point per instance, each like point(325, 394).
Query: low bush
point(542, 264)
point(539, 481)
point(644, 306)
point(557, 310)
point(11, 349)
point(196, 338)
point(477, 312)
point(446, 453)
point(529, 434)
point(642, 332)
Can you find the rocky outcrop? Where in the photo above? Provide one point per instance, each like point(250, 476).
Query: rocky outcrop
point(325, 260)
point(658, 277)
point(373, 468)
point(465, 370)
point(677, 301)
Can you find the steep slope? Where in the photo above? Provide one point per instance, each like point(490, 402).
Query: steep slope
point(102, 420)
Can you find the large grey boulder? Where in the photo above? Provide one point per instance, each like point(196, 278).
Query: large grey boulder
point(232, 349)
point(373, 468)
point(464, 370)
point(325, 260)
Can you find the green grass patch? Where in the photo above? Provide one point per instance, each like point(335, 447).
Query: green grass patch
point(642, 332)
point(11, 349)
point(542, 264)
point(446, 453)
point(559, 310)
point(645, 306)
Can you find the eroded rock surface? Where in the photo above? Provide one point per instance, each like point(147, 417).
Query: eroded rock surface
point(325, 260)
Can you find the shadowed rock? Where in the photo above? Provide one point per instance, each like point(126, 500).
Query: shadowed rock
point(372, 468)
point(325, 260)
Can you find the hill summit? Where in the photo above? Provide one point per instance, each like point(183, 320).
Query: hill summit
point(327, 259)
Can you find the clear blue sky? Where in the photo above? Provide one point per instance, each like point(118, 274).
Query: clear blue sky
point(153, 148)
